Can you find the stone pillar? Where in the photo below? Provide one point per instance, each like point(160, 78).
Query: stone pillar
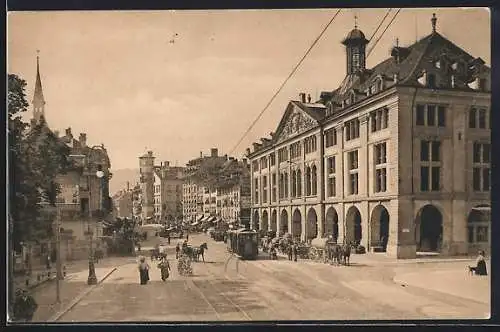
point(304, 225)
point(459, 215)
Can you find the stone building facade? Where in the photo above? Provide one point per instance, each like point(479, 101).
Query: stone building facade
point(396, 159)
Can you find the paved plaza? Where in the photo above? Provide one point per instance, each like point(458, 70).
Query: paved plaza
point(227, 289)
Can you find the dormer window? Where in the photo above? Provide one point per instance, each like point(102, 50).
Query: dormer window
point(352, 98)
point(437, 64)
point(380, 84)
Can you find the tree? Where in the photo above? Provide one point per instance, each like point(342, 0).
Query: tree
point(36, 157)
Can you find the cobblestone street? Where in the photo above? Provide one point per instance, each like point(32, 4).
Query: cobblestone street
point(224, 288)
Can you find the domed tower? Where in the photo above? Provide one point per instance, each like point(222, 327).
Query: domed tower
point(146, 168)
point(355, 44)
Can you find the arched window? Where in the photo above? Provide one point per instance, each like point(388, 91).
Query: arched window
point(308, 181)
point(286, 185)
point(294, 186)
point(299, 183)
point(314, 181)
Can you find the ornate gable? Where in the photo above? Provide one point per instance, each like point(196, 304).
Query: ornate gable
point(294, 122)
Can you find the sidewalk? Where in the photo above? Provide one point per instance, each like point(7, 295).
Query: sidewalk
point(73, 286)
point(453, 281)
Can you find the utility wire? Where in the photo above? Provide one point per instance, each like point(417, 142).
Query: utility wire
point(286, 80)
point(380, 24)
point(387, 27)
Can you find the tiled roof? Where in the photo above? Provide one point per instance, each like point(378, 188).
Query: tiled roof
point(406, 69)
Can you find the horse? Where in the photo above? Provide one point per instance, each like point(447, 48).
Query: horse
point(336, 254)
point(201, 251)
point(346, 253)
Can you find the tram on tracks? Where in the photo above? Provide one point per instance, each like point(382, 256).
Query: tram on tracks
point(243, 243)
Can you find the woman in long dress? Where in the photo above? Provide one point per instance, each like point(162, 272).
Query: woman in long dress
point(143, 271)
point(164, 267)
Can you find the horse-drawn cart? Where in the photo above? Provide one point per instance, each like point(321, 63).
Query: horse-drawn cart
point(322, 249)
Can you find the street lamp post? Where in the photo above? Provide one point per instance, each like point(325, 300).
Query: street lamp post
point(92, 279)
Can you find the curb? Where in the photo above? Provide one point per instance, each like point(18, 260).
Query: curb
point(57, 316)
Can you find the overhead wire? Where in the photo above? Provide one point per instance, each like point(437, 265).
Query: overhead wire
point(387, 27)
point(286, 80)
point(379, 25)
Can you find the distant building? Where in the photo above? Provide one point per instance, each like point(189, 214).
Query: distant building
point(161, 188)
point(397, 158)
point(198, 199)
point(233, 192)
point(123, 203)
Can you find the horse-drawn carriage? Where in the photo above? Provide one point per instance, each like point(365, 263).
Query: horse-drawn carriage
point(243, 243)
point(321, 249)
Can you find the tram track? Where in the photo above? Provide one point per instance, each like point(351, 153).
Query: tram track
point(213, 299)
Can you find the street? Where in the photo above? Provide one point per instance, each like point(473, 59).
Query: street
point(227, 289)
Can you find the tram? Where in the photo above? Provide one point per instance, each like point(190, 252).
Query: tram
point(243, 243)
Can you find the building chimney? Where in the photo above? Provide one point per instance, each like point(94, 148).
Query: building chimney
point(83, 139)
point(302, 97)
point(68, 132)
point(166, 163)
point(214, 152)
point(75, 143)
point(201, 154)
point(309, 98)
point(245, 161)
point(150, 153)
point(248, 151)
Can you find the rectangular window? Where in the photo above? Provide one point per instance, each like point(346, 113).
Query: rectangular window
point(441, 116)
point(353, 160)
point(486, 153)
point(420, 115)
point(331, 187)
point(424, 178)
point(476, 155)
point(431, 115)
point(424, 150)
point(331, 165)
point(380, 153)
point(435, 178)
point(330, 137)
point(436, 147)
point(353, 183)
point(380, 180)
point(482, 118)
point(486, 179)
point(352, 129)
point(472, 118)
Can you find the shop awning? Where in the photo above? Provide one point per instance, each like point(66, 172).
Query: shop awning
point(212, 219)
point(482, 208)
point(194, 224)
point(152, 226)
point(200, 217)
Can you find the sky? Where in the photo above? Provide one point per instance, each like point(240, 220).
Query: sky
point(118, 77)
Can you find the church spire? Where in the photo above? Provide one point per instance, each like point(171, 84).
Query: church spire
point(38, 100)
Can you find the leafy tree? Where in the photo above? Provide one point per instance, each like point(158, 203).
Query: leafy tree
point(36, 158)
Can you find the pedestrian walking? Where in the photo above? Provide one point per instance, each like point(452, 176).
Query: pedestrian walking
point(290, 252)
point(143, 271)
point(164, 267)
point(187, 236)
point(168, 238)
point(177, 249)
